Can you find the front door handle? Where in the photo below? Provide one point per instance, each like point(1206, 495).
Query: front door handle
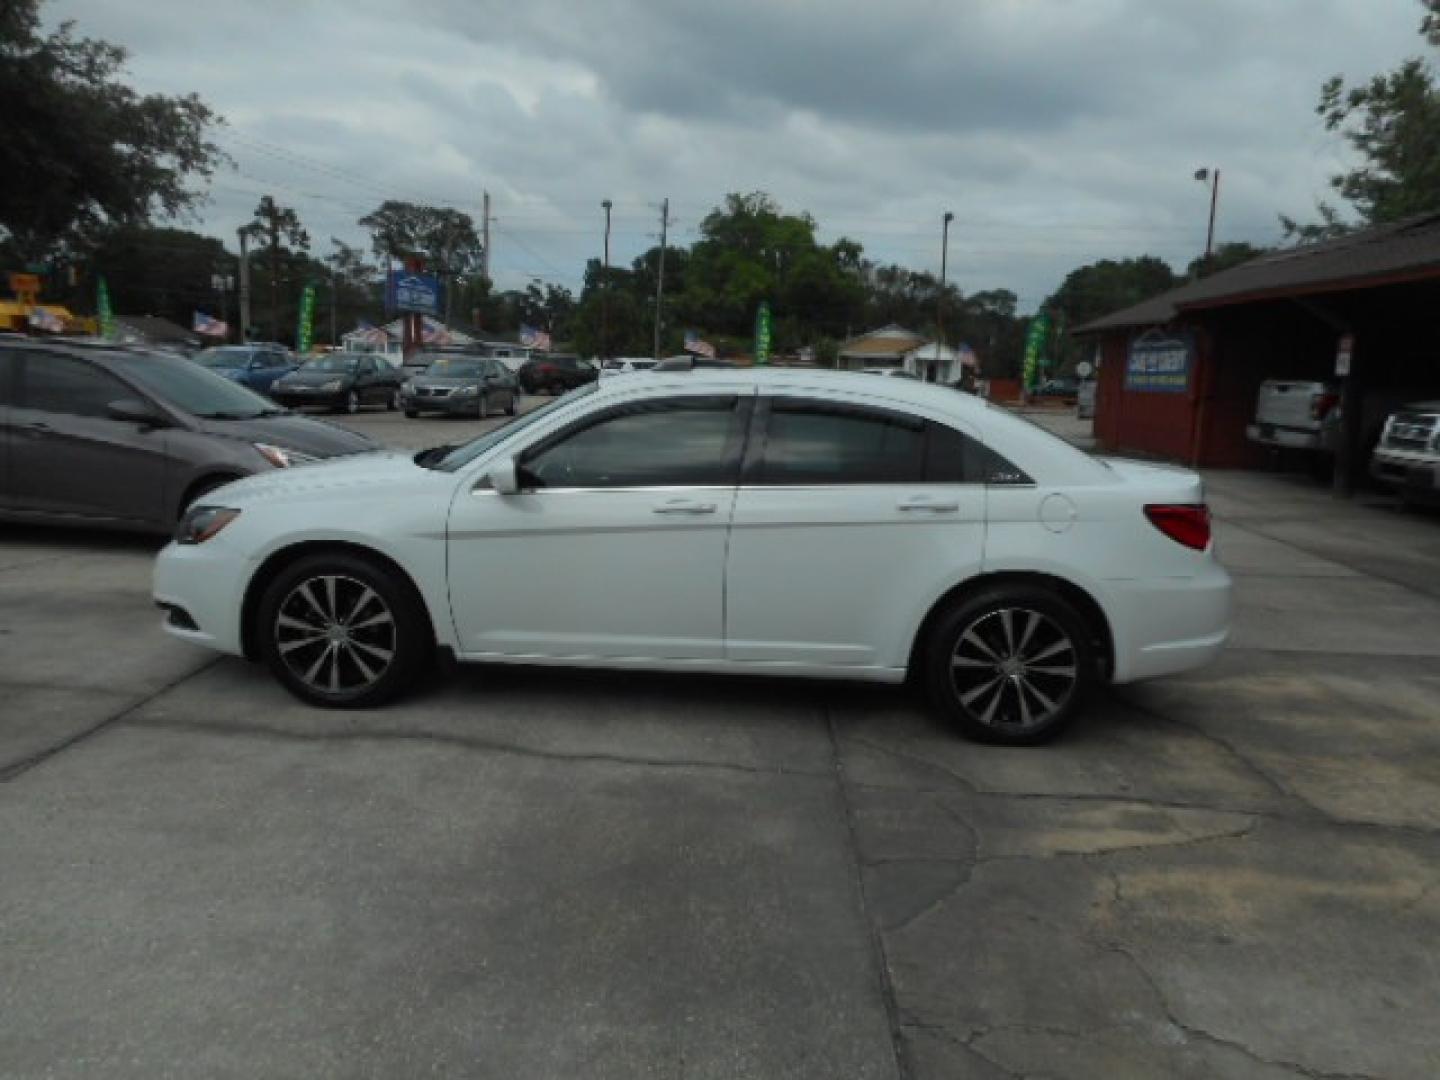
point(683, 506)
point(926, 503)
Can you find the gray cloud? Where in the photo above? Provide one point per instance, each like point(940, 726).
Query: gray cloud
point(1059, 132)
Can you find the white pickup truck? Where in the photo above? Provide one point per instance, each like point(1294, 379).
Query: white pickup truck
point(1293, 414)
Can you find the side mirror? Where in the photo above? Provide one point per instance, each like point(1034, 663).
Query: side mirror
point(504, 476)
point(135, 411)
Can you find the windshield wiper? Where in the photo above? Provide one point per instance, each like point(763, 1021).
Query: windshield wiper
point(273, 412)
point(427, 458)
point(227, 415)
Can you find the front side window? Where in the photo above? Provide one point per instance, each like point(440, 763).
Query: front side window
point(58, 384)
point(680, 442)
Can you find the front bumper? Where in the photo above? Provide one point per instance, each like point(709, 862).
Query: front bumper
point(1164, 626)
point(207, 582)
point(445, 403)
point(1287, 437)
point(1414, 472)
point(309, 399)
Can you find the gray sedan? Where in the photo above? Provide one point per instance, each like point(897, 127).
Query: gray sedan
point(107, 436)
point(462, 385)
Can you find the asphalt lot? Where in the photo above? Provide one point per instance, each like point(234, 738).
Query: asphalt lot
point(549, 874)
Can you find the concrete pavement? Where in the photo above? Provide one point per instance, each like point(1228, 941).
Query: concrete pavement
point(539, 873)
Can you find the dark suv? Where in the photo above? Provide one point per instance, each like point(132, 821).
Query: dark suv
point(556, 373)
point(128, 438)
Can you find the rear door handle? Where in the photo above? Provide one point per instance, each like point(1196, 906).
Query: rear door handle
point(683, 506)
point(925, 503)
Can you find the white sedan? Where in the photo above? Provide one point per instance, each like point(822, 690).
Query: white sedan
point(784, 522)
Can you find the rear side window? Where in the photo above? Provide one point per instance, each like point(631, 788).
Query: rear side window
point(817, 443)
point(59, 384)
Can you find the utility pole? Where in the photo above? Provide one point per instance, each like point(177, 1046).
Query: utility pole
point(1211, 177)
point(244, 288)
point(334, 304)
point(605, 291)
point(934, 374)
point(485, 237)
point(660, 278)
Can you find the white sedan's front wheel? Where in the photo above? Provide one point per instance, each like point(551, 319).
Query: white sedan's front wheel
point(341, 631)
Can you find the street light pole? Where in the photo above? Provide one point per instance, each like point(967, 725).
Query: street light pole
point(940, 298)
point(605, 291)
point(1211, 177)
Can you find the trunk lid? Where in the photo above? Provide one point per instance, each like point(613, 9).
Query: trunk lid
point(1289, 403)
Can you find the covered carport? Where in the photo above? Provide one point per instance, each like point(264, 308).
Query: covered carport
point(1179, 374)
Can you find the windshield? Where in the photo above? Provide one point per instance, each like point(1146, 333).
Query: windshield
point(339, 363)
point(193, 389)
point(471, 450)
point(454, 367)
point(224, 358)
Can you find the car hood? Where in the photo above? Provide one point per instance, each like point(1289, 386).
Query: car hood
point(308, 436)
point(359, 473)
point(316, 378)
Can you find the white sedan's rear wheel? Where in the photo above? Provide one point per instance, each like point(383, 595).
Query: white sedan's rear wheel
point(341, 631)
point(1010, 665)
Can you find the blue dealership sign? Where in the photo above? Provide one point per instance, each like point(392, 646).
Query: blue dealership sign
point(1160, 363)
point(409, 291)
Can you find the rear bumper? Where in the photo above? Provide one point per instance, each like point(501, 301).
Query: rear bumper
point(1165, 626)
point(1286, 437)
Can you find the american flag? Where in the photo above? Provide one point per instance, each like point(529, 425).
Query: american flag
point(208, 325)
point(533, 338)
point(698, 347)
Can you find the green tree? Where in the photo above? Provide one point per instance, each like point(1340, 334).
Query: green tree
point(354, 288)
point(445, 239)
point(279, 229)
point(1098, 289)
point(160, 271)
point(1391, 122)
point(83, 152)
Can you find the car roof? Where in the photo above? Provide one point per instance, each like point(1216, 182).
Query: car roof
point(800, 380)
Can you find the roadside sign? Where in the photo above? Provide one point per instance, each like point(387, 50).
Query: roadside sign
point(1084, 369)
point(418, 293)
point(1343, 353)
point(763, 332)
point(1158, 364)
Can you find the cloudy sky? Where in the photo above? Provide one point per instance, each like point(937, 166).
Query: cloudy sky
point(1057, 131)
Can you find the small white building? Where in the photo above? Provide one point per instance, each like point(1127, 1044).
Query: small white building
point(894, 347)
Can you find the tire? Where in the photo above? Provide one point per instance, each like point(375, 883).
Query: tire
point(341, 631)
point(352, 403)
point(1010, 665)
point(411, 414)
point(483, 406)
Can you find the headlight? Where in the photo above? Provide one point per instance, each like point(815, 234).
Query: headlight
point(333, 384)
point(283, 457)
point(408, 386)
point(200, 523)
point(464, 390)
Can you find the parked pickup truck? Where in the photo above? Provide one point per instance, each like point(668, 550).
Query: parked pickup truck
point(1292, 414)
point(1407, 456)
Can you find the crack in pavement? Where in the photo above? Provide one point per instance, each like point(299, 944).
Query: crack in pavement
point(260, 731)
point(19, 768)
point(1312, 816)
point(878, 953)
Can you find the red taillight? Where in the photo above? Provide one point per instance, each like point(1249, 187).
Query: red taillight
point(1321, 404)
point(546, 369)
point(1187, 524)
